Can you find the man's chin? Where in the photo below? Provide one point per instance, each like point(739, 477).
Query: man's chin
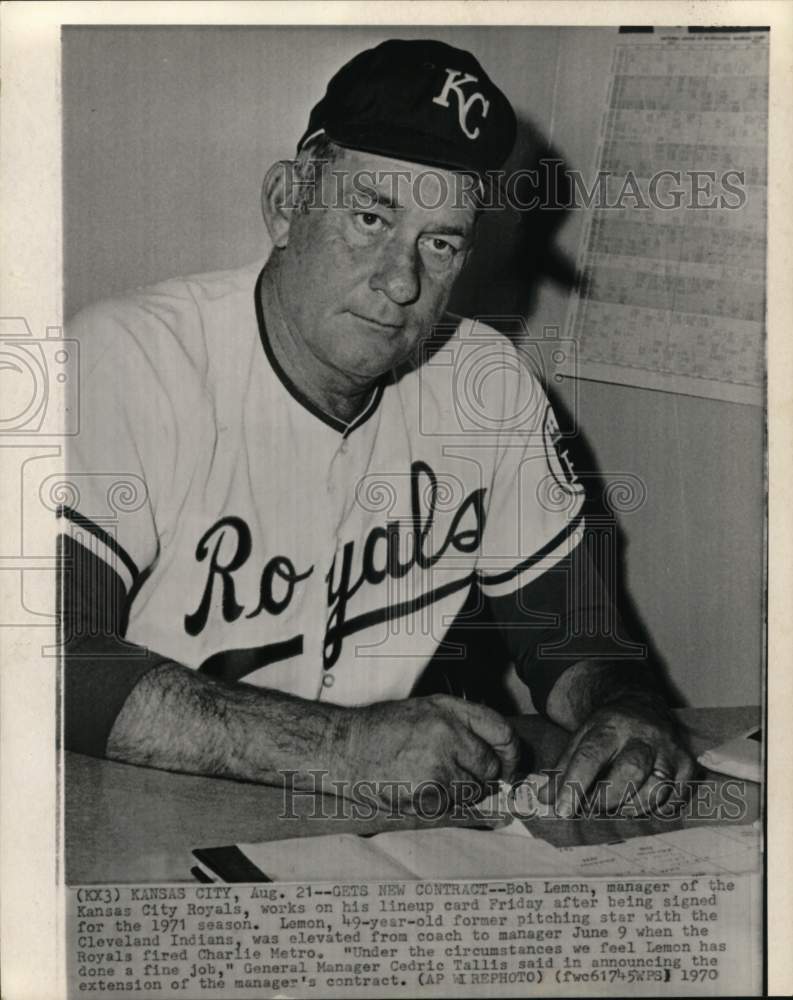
point(371, 374)
point(371, 365)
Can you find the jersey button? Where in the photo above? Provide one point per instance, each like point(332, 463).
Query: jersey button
point(328, 680)
point(344, 447)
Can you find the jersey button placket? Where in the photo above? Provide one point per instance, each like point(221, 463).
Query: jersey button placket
point(339, 486)
point(336, 493)
point(329, 515)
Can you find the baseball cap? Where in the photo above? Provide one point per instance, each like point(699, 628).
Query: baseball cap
point(417, 100)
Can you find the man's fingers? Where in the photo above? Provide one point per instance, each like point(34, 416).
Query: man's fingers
point(630, 769)
point(684, 772)
point(640, 762)
point(585, 764)
point(656, 790)
point(686, 768)
point(497, 733)
point(477, 759)
point(548, 792)
point(666, 787)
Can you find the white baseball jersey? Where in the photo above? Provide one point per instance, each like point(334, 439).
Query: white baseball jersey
point(259, 538)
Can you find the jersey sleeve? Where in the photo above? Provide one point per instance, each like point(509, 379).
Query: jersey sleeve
point(538, 568)
point(118, 462)
point(566, 616)
point(535, 507)
point(117, 478)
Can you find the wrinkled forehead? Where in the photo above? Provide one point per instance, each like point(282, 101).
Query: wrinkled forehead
point(366, 180)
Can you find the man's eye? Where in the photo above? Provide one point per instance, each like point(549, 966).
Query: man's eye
point(369, 222)
point(440, 248)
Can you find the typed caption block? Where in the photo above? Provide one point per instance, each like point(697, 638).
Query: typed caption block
point(600, 936)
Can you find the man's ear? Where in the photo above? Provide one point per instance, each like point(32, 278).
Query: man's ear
point(277, 201)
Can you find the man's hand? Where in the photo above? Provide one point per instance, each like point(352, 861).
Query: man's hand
point(440, 741)
point(630, 743)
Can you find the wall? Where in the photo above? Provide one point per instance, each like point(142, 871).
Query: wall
point(167, 135)
point(693, 553)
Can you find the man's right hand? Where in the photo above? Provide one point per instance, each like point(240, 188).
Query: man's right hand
point(179, 720)
point(437, 744)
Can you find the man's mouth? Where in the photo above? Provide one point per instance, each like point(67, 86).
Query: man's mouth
point(387, 327)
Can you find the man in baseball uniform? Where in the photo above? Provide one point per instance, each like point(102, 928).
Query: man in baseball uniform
point(290, 478)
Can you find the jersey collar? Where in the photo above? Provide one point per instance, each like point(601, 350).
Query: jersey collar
point(296, 393)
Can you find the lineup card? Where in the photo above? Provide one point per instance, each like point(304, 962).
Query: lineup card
point(465, 853)
point(713, 850)
point(673, 298)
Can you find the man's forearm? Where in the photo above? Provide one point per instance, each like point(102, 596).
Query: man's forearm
point(178, 720)
point(590, 684)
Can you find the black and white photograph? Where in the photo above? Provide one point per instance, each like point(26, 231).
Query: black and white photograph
point(389, 505)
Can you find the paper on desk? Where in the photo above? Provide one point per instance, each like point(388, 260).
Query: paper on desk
point(514, 801)
point(407, 854)
point(705, 850)
point(741, 756)
point(462, 853)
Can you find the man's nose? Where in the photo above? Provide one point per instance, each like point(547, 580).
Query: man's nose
point(397, 274)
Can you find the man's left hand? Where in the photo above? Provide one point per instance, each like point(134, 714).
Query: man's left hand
point(633, 746)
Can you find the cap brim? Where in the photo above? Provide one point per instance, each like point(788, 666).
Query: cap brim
point(402, 144)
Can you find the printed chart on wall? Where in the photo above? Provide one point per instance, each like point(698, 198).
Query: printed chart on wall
point(672, 257)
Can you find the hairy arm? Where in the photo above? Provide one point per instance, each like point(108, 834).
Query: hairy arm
point(133, 705)
point(178, 720)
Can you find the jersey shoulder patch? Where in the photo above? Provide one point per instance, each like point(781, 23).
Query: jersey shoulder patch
point(557, 454)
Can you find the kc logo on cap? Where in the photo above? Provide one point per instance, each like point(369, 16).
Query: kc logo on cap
point(455, 81)
point(421, 101)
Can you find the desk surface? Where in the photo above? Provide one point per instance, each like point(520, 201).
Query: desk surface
point(133, 824)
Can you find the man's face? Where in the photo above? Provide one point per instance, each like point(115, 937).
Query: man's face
point(367, 273)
